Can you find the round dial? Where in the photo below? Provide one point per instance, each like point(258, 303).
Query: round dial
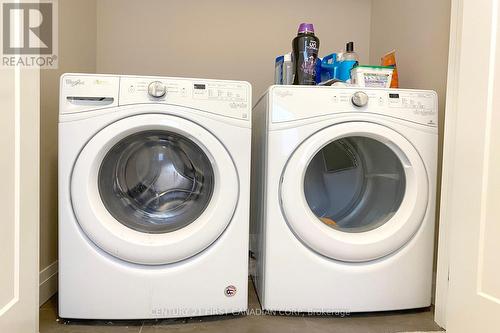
point(157, 89)
point(359, 98)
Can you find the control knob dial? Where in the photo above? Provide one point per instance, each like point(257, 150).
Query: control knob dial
point(359, 99)
point(157, 89)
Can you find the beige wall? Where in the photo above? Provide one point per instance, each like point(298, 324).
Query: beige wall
point(77, 38)
point(419, 31)
point(220, 39)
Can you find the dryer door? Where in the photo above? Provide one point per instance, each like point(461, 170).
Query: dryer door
point(355, 191)
point(154, 189)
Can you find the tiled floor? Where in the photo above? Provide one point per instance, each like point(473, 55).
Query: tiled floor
point(386, 322)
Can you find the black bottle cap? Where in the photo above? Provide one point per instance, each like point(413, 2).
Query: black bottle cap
point(349, 47)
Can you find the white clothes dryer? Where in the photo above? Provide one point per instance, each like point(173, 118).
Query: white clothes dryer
point(344, 198)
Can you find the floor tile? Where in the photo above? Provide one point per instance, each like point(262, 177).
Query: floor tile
point(51, 323)
point(254, 322)
point(387, 322)
point(50, 304)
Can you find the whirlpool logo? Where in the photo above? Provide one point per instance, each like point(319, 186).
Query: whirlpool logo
point(29, 34)
point(74, 83)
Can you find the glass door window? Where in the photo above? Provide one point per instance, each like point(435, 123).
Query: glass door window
point(156, 181)
point(354, 184)
point(355, 191)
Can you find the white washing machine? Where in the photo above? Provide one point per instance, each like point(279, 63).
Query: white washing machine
point(344, 198)
point(153, 196)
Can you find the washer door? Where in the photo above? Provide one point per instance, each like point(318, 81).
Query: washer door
point(355, 191)
point(154, 189)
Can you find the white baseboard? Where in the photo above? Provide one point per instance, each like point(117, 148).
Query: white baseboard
point(48, 282)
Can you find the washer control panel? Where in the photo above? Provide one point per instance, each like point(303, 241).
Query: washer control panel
point(228, 98)
point(218, 91)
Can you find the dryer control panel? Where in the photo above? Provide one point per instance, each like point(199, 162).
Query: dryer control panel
point(301, 102)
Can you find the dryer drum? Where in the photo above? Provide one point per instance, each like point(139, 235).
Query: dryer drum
point(156, 181)
point(354, 184)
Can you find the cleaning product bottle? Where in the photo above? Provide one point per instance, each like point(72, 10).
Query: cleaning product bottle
point(278, 70)
point(305, 52)
point(287, 69)
point(348, 60)
point(349, 53)
point(329, 67)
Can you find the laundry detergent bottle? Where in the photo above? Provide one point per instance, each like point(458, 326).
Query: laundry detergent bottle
point(305, 53)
